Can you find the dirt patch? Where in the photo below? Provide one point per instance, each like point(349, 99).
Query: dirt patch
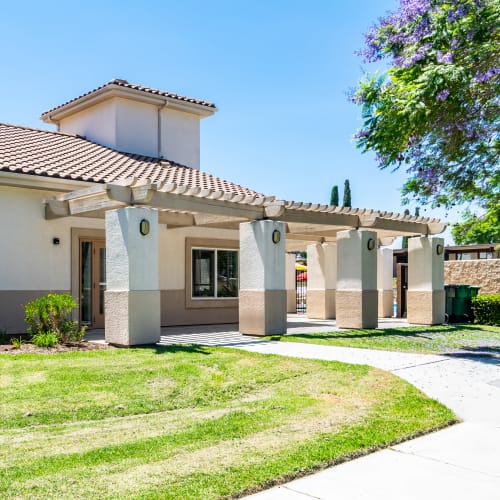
point(28, 348)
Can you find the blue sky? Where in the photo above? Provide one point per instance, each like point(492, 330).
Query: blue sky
point(277, 70)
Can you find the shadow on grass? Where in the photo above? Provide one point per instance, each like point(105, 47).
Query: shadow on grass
point(175, 349)
point(409, 332)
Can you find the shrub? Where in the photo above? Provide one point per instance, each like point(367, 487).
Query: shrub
point(47, 339)
point(52, 314)
point(17, 342)
point(486, 309)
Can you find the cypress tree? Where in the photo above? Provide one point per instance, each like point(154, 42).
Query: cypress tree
point(334, 196)
point(347, 194)
point(404, 243)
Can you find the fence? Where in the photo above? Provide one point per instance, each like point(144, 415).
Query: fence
point(301, 291)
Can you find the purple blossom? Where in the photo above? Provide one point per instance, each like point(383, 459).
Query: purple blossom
point(381, 160)
point(418, 55)
point(361, 134)
point(430, 177)
point(460, 12)
point(446, 58)
point(443, 95)
point(482, 77)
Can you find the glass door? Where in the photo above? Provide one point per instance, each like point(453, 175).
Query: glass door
point(92, 282)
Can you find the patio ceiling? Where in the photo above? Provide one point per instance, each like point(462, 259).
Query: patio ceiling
point(182, 206)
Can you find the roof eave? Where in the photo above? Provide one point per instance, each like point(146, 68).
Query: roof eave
point(111, 91)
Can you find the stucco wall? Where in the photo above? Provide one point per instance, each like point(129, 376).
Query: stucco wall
point(180, 137)
point(31, 265)
point(96, 124)
point(136, 127)
point(29, 259)
point(484, 273)
point(132, 127)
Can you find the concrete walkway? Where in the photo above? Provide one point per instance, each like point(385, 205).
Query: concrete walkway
point(460, 462)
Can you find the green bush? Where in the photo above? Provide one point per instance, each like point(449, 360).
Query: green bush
point(47, 339)
point(52, 314)
point(486, 309)
point(17, 342)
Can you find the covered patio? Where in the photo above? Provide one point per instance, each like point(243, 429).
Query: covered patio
point(350, 273)
point(228, 334)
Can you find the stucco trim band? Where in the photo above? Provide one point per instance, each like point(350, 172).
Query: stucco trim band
point(321, 304)
point(132, 317)
point(357, 308)
point(12, 304)
point(174, 311)
point(385, 303)
point(425, 307)
point(262, 312)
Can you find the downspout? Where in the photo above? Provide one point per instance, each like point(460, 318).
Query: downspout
point(159, 109)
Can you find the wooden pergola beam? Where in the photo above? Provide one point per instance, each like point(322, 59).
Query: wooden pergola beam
point(183, 206)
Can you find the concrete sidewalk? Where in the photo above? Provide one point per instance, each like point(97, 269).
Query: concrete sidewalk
point(460, 462)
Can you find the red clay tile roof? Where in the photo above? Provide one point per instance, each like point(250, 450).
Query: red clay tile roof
point(53, 154)
point(125, 84)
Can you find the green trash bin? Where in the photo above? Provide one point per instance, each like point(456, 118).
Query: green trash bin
point(473, 291)
point(450, 294)
point(458, 306)
point(461, 304)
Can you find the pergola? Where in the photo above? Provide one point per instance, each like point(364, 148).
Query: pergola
point(342, 238)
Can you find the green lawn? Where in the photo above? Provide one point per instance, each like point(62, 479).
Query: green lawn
point(425, 339)
point(189, 421)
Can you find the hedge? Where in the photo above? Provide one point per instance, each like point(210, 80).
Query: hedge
point(486, 309)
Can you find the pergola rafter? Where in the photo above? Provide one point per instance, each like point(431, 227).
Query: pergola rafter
point(183, 206)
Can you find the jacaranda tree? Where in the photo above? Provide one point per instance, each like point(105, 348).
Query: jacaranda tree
point(435, 111)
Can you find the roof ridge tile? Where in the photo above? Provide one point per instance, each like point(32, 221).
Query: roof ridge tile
point(124, 83)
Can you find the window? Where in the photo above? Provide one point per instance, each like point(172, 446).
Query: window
point(486, 255)
point(214, 273)
point(464, 256)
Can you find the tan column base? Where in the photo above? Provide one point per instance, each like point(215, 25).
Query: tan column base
point(132, 317)
point(262, 312)
point(291, 301)
point(385, 303)
point(425, 307)
point(357, 308)
point(321, 304)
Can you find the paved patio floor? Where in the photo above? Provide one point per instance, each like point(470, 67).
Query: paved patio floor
point(460, 462)
point(227, 334)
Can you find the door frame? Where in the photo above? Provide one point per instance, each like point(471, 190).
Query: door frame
point(78, 234)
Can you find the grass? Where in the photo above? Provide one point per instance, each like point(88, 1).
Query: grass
point(439, 339)
point(190, 422)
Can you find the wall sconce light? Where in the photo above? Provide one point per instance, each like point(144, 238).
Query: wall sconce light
point(144, 227)
point(439, 249)
point(370, 244)
point(276, 236)
point(56, 241)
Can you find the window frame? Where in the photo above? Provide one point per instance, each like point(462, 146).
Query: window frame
point(192, 302)
point(214, 283)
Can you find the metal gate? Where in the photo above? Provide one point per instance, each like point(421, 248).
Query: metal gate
point(402, 287)
point(301, 291)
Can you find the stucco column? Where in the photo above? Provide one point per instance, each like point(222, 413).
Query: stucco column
point(321, 280)
point(262, 302)
point(425, 296)
point(291, 293)
point(357, 294)
point(384, 283)
point(132, 297)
